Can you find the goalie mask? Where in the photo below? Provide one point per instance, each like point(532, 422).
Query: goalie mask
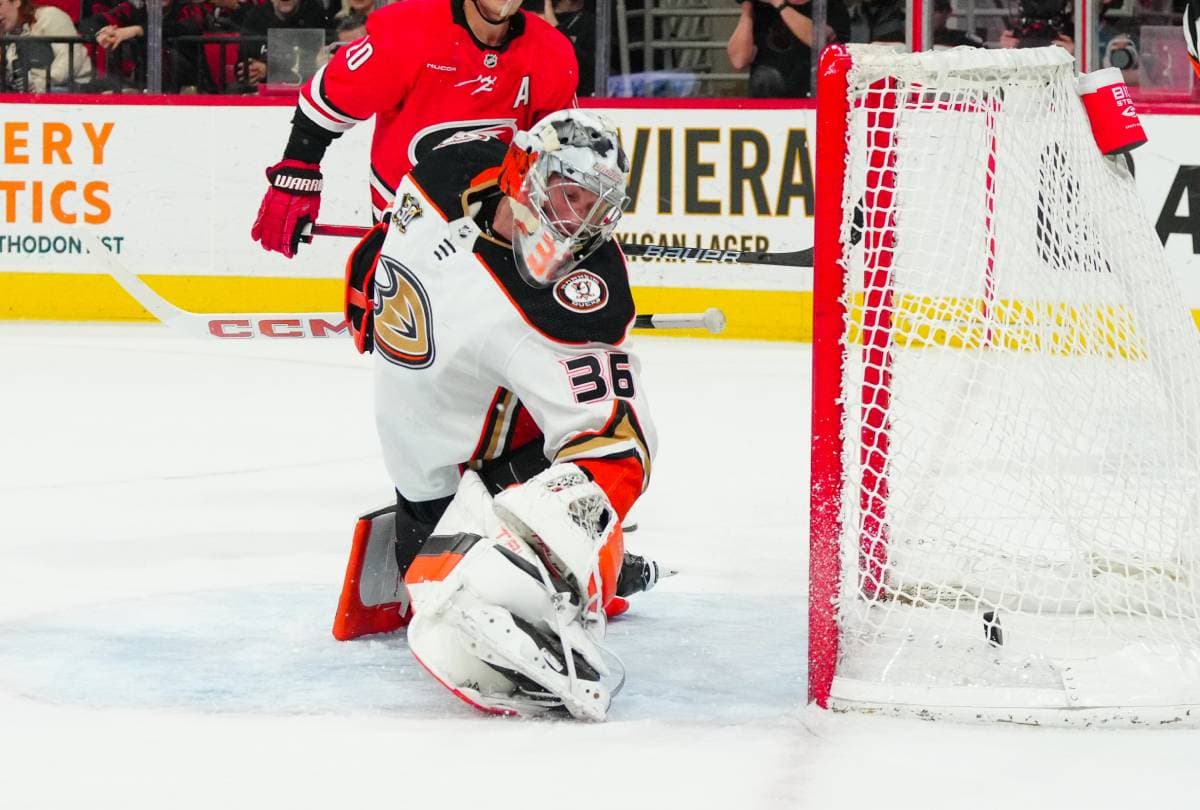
point(565, 178)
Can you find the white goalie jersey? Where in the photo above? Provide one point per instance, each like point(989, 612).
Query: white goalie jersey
point(472, 362)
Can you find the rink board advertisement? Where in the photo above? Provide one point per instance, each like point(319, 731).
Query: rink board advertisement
point(172, 191)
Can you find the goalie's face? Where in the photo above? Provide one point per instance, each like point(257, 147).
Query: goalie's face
point(574, 210)
point(561, 222)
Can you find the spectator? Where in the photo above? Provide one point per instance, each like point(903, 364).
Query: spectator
point(1117, 36)
point(576, 20)
point(228, 15)
point(252, 65)
point(39, 66)
point(946, 37)
point(773, 38)
point(350, 28)
point(73, 8)
point(1041, 23)
point(877, 21)
point(127, 21)
point(356, 7)
point(1016, 37)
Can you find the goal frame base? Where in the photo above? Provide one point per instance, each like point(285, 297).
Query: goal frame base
point(1117, 717)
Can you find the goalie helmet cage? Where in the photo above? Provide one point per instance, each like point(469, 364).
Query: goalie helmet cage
point(1005, 516)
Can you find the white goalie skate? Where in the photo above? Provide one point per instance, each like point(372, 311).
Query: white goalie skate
point(503, 630)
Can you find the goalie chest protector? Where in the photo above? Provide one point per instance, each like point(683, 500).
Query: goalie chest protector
point(469, 357)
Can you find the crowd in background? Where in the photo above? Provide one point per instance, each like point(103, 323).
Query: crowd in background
point(208, 45)
point(220, 46)
point(773, 37)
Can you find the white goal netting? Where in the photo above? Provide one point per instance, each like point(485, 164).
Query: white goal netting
point(1020, 512)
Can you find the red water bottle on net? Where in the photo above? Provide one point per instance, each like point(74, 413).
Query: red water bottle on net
point(1110, 109)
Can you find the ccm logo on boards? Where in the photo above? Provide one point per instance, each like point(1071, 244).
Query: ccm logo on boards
point(276, 327)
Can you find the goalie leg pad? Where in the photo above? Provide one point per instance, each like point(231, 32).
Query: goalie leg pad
point(495, 634)
point(374, 598)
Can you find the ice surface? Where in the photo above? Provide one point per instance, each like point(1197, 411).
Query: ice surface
point(174, 520)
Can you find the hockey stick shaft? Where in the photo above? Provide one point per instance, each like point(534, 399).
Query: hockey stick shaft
point(352, 231)
point(711, 319)
point(236, 325)
point(318, 229)
point(241, 325)
point(798, 258)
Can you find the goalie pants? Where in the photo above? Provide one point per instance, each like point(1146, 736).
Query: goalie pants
point(415, 519)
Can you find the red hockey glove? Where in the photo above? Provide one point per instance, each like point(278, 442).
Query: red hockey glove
point(292, 201)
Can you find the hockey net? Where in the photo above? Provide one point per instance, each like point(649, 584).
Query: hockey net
point(1006, 415)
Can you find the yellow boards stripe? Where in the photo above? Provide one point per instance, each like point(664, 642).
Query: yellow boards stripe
point(1092, 329)
point(750, 314)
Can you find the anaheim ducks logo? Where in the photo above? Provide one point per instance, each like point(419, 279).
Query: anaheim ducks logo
point(581, 291)
point(403, 324)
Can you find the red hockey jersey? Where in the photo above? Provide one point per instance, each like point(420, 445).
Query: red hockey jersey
point(425, 77)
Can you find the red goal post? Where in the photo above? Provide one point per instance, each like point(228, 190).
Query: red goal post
point(1005, 493)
